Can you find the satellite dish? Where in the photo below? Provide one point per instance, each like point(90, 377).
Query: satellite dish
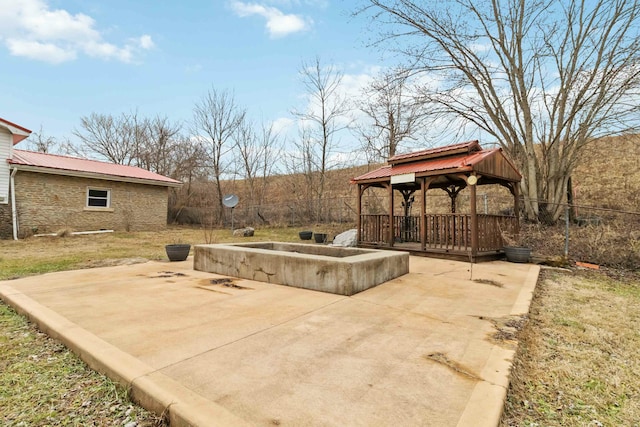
point(230, 200)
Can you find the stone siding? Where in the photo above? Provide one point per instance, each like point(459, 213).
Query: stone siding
point(47, 203)
point(6, 230)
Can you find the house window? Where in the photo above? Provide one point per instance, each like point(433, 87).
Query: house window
point(98, 198)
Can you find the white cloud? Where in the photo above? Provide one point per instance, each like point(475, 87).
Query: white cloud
point(290, 3)
point(278, 23)
point(192, 69)
point(282, 125)
point(47, 52)
point(30, 28)
point(480, 47)
point(146, 42)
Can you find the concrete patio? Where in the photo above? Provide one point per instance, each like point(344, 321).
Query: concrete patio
point(417, 350)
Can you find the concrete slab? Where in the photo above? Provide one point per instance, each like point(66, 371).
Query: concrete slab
point(416, 350)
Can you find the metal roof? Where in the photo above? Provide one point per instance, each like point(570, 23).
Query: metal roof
point(462, 148)
point(480, 161)
point(65, 165)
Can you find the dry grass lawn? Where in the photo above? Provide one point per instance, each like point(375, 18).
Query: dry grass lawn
point(38, 255)
point(577, 362)
point(44, 384)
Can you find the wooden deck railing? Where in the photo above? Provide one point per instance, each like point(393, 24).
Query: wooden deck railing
point(443, 231)
point(490, 229)
point(374, 228)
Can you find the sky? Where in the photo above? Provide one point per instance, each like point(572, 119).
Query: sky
point(61, 60)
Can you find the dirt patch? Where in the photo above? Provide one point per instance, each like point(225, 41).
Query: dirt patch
point(224, 282)
point(227, 283)
point(507, 330)
point(111, 262)
point(443, 359)
point(489, 282)
point(167, 274)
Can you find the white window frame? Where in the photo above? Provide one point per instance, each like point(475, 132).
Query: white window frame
point(108, 206)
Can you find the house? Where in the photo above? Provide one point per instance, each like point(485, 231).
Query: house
point(42, 193)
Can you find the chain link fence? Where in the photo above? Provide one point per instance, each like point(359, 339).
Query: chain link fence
point(590, 234)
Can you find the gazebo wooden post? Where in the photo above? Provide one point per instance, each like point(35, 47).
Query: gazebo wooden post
point(516, 205)
point(359, 213)
point(423, 214)
point(424, 186)
point(474, 223)
point(390, 231)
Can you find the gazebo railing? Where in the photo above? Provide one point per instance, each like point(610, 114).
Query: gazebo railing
point(443, 231)
point(374, 228)
point(490, 228)
point(449, 231)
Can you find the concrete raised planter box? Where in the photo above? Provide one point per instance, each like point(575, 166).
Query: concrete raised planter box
point(344, 271)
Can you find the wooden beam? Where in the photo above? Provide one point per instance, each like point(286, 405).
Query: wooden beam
point(424, 186)
point(516, 205)
point(390, 231)
point(474, 223)
point(423, 214)
point(359, 210)
point(453, 190)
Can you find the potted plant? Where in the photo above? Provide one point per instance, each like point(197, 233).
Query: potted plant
point(305, 235)
point(320, 237)
point(177, 251)
point(513, 249)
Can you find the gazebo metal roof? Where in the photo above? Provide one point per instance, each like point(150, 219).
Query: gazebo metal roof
point(451, 162)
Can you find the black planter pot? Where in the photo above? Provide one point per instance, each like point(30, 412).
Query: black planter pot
point(517, 254)
point(320, 237)
point(305, 235)
point(177, 252)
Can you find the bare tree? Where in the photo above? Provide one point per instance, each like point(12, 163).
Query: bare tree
point(324, 116)
point(132, 140)
point(543, 77)
point(115, 138)
point(216, 117)
point(246, 145)
point(157, 144)
point(189, 158)
point(303, 175)
point(393, 112)
point(40, 142)
point(257, 157)
point(270, 152)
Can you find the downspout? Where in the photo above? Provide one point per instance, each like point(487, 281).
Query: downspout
point(14, 213)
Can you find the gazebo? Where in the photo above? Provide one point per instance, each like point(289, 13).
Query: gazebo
point(464, 236)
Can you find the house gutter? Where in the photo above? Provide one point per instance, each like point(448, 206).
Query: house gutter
point(14, 213)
